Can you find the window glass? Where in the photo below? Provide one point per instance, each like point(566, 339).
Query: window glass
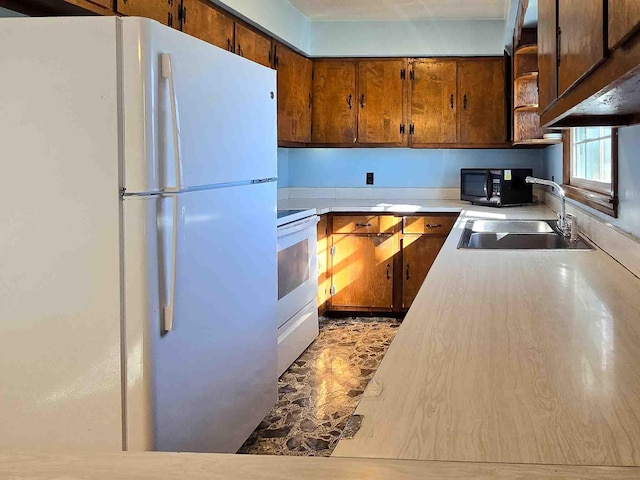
point(591, 154)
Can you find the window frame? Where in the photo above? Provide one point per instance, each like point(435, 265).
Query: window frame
point(597, 195)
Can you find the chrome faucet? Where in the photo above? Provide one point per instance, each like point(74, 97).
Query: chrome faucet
point(567, 224)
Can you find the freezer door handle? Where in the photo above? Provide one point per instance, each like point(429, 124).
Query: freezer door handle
point(171, 275)
point(166, 67)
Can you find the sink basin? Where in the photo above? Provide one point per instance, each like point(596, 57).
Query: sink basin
point(511, 226)
point(516, 235)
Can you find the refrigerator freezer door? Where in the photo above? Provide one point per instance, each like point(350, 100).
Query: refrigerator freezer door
point(205, 385)
point(60, 362)
point(226, 109)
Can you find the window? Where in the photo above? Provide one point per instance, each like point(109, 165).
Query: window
point(590, 167)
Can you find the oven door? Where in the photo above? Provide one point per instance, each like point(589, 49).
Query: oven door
point(297, 267)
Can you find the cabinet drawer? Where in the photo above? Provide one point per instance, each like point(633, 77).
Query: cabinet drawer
point(364, 223)
point(432, 225)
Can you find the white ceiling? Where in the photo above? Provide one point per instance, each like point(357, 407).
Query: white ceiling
point(403, 9)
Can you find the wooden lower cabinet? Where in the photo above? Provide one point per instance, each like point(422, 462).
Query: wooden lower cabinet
point(379, 272)
point(362, 271)
point(323, 256)
point(418, 254)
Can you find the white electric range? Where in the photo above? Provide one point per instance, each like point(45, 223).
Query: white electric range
point(297, 284)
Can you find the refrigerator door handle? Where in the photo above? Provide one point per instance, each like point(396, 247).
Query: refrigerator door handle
point(171, 276)
point(166, 67)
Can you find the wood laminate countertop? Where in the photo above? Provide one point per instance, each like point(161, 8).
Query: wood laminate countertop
point(511, 356)
point(206, 466)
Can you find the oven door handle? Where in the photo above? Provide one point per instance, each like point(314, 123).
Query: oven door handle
point(298, 226)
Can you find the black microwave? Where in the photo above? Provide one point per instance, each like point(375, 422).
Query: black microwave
point(496, 186)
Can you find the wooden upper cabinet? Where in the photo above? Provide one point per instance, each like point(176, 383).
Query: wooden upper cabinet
point(201, 20)
point(547, 53)
point(294, 95)
point(580, 38)
point(159, 10)
point(252, 45)
point(481, 101)
point(362, 271)
point(624, 21)
point(433, 104)
point(102, 7)
point(335, 106)
point(381, 101)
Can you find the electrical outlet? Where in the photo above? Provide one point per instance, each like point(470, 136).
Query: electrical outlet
point(369, 178)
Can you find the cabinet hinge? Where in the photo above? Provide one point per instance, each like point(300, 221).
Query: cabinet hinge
point(412, 129)
point(402, 129)
point(332, 290)
point(412, 75)
point(403, 74)
point(332, 251)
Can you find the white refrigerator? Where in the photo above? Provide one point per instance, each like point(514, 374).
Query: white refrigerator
point(137, 238)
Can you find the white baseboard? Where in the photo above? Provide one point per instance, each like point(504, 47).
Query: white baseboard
point(623, 247)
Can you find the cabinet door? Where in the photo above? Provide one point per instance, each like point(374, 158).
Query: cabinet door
point(294, 95)
point(362, 270)
point(203, 21)
point(334, 102)
point(252, 45)
point(580, 38)
point(159, 10)
point(323, 255)
point(624, 21)
point(418, 254)
point(481, 101)
point(547, 53)
point(381, 102)
point(102, 7)
point(434, 114)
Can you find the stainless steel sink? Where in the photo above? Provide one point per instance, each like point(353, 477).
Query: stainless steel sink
point(517, 235)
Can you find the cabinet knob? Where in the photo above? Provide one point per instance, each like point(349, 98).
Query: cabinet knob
point(388, 271)
point(433, 225)
point(362, 103)
point(363, 225)
point(349, 101)
point(407, 271)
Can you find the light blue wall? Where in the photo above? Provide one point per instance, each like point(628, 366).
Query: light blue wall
point(283, 167)
point(277, 17)
point(407, 39)
point(4, 13)
point(404, 167)
point(628, 179)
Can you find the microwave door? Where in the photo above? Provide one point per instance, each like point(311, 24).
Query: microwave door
point(475, 185)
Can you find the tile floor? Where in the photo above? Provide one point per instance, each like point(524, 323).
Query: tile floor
point(321, 390)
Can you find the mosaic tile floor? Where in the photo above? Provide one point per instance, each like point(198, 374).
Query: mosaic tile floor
point(321, 390)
